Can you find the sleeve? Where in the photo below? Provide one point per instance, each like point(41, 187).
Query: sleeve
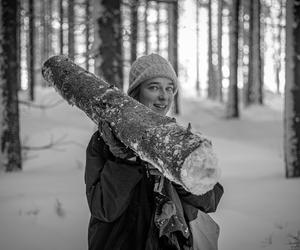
point(109, 182)
point(207, 202)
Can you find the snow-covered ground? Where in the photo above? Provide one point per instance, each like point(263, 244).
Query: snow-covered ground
point(44, 206)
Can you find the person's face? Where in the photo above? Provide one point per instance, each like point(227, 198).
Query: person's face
point(157, 94)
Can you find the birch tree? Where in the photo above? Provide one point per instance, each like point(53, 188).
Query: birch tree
point(292, 90)
point(10, 153)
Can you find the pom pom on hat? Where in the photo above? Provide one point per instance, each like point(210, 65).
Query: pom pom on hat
point(150, 66)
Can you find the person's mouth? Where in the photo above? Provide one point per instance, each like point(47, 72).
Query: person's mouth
point(161, 107)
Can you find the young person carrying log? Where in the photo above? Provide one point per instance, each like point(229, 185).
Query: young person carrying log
point(132, 205)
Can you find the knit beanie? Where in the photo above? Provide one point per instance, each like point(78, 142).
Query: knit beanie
point(150, 66)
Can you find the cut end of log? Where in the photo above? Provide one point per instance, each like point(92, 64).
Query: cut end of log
point(199, 171)
point(49, 64)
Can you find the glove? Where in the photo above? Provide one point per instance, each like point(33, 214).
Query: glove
point(117, 148)
point(154, 171)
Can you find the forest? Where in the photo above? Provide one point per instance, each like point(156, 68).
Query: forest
point(238, 64)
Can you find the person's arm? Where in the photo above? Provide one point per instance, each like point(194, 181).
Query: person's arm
point(109, 182)
point(207, 202)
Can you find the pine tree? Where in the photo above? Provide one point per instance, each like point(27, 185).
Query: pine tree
point(233, 100)
point(173, 43)
point(255, 83)
point(146, 36)
point(108, 42)
point(61, 27)
point(71, 36)
point(292, 90)
point(87, 34)
point(197, 48)
point(220, 58)
point(31, 76)
point(134, 29)
point(9, 111)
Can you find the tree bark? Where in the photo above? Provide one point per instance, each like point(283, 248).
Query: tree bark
point(255, 84)
point(180, 155)
point(212, 91)
point(292, 90)
point(31, 76)
point(277, 40)
point(245, 52)
point(197, 48)
point(157, 27)
point(87, 34)
point(108, 37)
point(61, 26)
point(71, 37)
point(233, 100)
point(9, 129)
point(220, 57)
point(146, 37)
point(134, 30)
point(173, 44)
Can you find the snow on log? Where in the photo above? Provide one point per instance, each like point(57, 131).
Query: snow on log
point(183, 157)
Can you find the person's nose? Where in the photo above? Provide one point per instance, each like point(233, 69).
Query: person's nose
point(162, 94)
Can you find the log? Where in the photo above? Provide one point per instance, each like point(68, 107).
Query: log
point(180, 155)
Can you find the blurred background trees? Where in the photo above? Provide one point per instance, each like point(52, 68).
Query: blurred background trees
point(242, 40)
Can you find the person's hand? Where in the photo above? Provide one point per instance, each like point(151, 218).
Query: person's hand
point(154, 171)
point(117, 148)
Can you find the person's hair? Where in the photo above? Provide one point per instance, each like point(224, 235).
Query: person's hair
point(135, 93)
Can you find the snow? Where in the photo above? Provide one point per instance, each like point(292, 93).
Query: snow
point(44, 206)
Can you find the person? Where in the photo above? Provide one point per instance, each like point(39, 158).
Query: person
point(132, 205)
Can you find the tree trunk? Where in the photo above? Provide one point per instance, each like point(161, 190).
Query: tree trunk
point(212, 81)
point(61, 26)
point(50, 28)
point(173, 44)
point(197, 48)
point(44, 50)
point(245, 51)
point(157, 27)
point(31, 76)
point(87, 34)
point(209, 51)
point(233, 101)
point(146, 27)
point(19, 53)
point(108, 36)
point(292, 90)
point(134, 29)
point(255, 89)
point(71, 38)
point(277, 44)
point(220, 57)
point(180, 155)
point(9, 111)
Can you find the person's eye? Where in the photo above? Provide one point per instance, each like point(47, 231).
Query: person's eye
point(153, 87)
point(170, 89)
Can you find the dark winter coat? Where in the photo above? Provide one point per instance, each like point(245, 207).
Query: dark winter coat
point(120, 197)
